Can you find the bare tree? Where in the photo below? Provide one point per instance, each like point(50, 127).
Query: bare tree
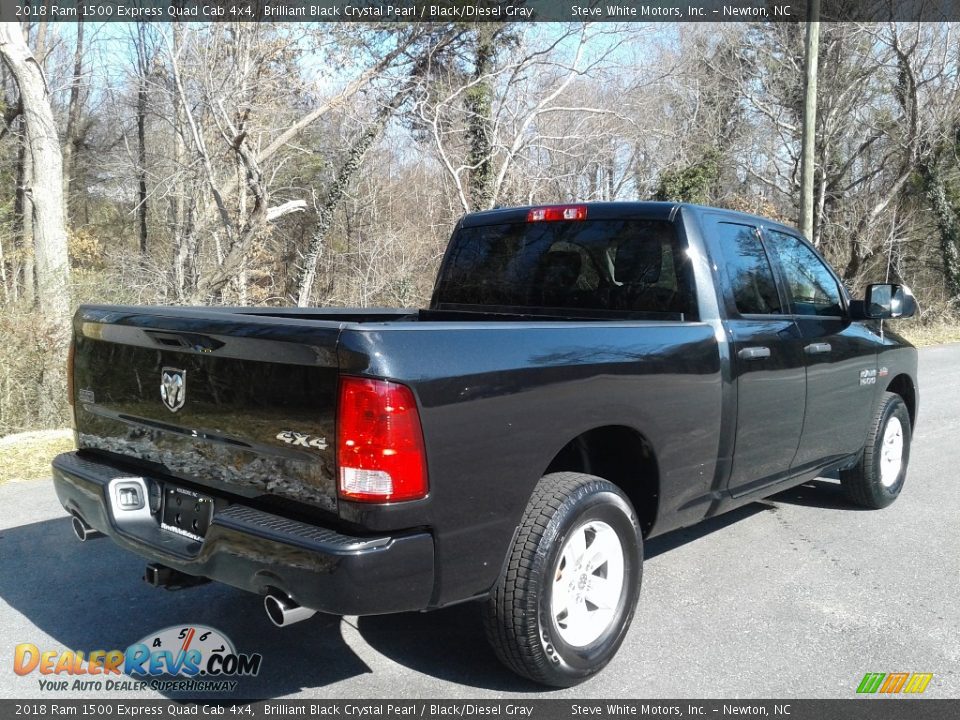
point(72, 135)
point(479, 145)
point(143, 67)
point(307, 274)
point(23, 210)
point(181, 207)
point(919, 69)
point(232, 115)
point(46, 184)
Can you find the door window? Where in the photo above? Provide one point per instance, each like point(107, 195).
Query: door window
point(748, 270)
point(812, 287)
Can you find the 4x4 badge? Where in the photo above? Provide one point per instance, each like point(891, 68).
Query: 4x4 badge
point(292, 437)
point(173, 388)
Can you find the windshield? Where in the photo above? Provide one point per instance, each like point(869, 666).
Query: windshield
point(621, 266)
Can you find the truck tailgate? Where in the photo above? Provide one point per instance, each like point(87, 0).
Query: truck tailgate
point(240, 403)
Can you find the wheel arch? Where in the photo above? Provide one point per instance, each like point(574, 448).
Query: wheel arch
point(903, 386)
point(622, 455)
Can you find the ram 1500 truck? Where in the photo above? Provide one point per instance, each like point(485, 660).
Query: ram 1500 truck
point(585, 377)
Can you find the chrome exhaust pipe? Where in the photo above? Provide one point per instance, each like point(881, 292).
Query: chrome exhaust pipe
point(83, 531)
point(283, 611)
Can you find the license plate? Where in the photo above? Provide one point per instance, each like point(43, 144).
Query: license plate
point(186, 512)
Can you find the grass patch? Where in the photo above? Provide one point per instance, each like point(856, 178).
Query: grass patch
point(27, 456)
point(936, 333)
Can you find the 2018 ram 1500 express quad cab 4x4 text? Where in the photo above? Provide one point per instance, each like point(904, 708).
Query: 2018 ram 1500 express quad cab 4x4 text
point(585, 376)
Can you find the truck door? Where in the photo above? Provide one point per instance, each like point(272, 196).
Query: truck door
point(840, 355)
point(768, 364)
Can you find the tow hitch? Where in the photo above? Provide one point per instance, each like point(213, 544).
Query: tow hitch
point(169, 579)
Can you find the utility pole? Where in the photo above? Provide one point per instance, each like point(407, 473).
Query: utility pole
point(809, 120)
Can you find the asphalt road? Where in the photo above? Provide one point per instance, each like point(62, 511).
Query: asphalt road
point(796, 597)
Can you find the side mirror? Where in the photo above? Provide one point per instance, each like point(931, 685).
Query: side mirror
point(885, 301)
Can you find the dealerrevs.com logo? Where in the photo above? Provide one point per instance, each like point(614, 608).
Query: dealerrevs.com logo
point(203, 655)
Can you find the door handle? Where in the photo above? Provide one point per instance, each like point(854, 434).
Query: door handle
point(754, 353)
point(817, 348)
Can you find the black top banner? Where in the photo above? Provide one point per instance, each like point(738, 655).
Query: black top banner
point(475, 11)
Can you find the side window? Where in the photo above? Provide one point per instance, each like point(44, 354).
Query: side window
point(751, 278)
point(813, 290)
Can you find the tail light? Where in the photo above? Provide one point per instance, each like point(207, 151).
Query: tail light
point(549, 213)
point(380, 452)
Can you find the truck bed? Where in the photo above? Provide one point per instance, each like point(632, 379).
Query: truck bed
point(254, 375)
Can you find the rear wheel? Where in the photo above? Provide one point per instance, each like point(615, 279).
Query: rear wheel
point(562, 607)
point(877, 479)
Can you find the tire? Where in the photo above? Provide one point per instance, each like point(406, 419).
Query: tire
point(559, 612)
point(877, 478)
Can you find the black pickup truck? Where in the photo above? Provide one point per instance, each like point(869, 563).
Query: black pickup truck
point(586, 376)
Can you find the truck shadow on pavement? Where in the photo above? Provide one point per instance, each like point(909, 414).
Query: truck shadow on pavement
point(824, 493)
point(449, 644)
point(90, 596)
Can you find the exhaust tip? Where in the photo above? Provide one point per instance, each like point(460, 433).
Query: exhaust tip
point(283, 611)
point(83, 531)
point(272, 605)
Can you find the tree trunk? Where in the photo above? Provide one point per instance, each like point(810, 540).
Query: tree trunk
point(479, 101)
point(818, 216)
point(45, 188)
point(23, 213)
point(142, 161)
point(809, 120)
point(40, 46)
point(143, 63)
point(3, 274)
point(184, 280)
point(948, 226)
point(307, 274)
point(241, 279)
point(71, 138)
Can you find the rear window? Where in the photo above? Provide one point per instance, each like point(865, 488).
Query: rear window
point(592, 266)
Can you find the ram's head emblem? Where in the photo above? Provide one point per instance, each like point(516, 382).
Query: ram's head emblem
point(173, 388)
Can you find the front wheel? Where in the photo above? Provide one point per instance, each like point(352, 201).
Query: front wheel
point(563, 604)
point(877, 479)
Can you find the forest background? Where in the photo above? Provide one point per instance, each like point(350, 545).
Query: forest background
point(325, 165)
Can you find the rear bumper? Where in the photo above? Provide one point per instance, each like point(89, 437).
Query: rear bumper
point(258, 551)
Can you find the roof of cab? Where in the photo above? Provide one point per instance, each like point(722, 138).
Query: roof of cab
point(614, 211)
point(595, 211)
